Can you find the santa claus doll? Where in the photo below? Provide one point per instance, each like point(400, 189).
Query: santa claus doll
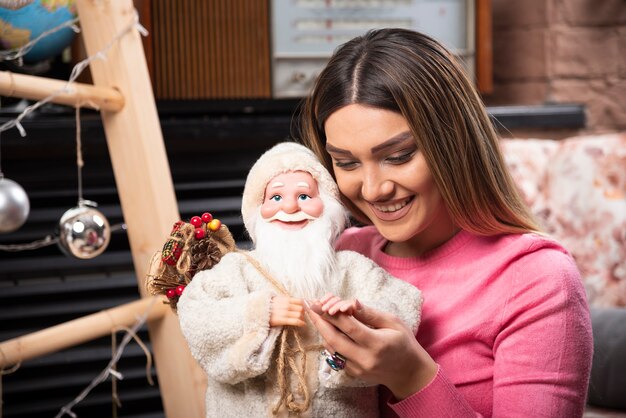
point(245, 319)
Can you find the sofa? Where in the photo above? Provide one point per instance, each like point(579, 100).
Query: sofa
point(576, 187)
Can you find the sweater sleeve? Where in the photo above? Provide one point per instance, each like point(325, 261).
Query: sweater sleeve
point(225, 320)
point(544, 349)
point(541, 354)
point(440, 398)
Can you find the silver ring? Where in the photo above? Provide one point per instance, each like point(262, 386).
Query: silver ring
point(336, 361)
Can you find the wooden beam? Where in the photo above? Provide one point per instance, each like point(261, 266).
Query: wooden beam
point(484, 46)
point(78, 331)
point(144, 184)
point(36, 88)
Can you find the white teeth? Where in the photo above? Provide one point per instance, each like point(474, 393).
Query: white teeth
point(392, 208)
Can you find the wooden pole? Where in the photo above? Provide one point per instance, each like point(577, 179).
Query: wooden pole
point(144, 184)
point(78, 331)
point(37, 88)
point(484, 47)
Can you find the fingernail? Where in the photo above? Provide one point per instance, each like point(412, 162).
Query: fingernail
point(306, 304)
point(357, 304)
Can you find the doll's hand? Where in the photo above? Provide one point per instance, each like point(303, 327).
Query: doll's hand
point(332, 305)
point(286, 311)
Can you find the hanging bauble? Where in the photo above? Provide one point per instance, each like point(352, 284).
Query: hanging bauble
point(14, 205)
point(84, 232)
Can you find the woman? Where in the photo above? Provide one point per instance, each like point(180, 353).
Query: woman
point(505, 325)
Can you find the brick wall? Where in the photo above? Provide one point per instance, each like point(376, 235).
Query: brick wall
point(562, 51)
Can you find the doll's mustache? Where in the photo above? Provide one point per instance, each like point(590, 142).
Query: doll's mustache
point(290, 217)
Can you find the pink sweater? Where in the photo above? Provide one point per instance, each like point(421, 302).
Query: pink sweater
point(506, 319)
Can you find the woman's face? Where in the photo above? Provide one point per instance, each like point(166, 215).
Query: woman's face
point(382, 172)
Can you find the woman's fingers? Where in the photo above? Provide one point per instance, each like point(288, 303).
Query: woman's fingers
point(359, 326)
point(330, 334)
point(374, 318)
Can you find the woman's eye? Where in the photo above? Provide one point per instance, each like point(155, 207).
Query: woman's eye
point(304, 197)
point(276, 198)
point(345, 165)
point(401, 157)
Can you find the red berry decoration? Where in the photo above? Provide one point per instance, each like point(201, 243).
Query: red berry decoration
point(199, 233)
point(207, 217)
point(196, 221)
point(215, 224)
point(170, 293)
point(179, 289)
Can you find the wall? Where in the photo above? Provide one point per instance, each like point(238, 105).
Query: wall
point(562, 51)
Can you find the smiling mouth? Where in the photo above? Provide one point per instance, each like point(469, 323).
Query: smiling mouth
point(393, 208)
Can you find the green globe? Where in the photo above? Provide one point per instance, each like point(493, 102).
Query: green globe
point(23, 20)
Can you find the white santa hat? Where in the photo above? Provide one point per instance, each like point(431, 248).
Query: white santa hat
point(284, 157)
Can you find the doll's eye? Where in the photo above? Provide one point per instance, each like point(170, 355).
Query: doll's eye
point(304, 197)
point(276, 198)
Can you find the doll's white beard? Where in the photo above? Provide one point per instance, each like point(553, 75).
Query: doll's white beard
point(302, 260)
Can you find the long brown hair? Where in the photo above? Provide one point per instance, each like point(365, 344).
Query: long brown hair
point(412, 74)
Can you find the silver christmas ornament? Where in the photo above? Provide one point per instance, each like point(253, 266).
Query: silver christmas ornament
point(14, 205)
point(84, 232)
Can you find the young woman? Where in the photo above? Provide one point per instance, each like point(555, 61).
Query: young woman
point(505, 328)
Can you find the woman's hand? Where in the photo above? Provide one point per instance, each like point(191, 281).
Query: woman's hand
point(378, 347)
point(286, 311)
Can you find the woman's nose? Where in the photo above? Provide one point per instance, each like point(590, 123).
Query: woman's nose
point(376, 186)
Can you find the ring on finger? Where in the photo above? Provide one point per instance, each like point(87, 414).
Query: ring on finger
point(336, 361)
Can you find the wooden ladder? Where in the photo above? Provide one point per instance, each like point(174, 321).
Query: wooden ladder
point(123, 93)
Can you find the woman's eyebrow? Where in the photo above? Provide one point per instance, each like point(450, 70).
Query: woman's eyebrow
point(335, 150)
point(394, 140)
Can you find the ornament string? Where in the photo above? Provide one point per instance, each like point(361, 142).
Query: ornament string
point(115, 375)
point(131, 333)
point(44, 242)
point(79, 157)
point(47, 240)
point(115, 399)
point(76, 71)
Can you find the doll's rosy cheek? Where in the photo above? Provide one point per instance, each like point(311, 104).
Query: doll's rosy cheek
point(269, 209)
point(313, 207)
